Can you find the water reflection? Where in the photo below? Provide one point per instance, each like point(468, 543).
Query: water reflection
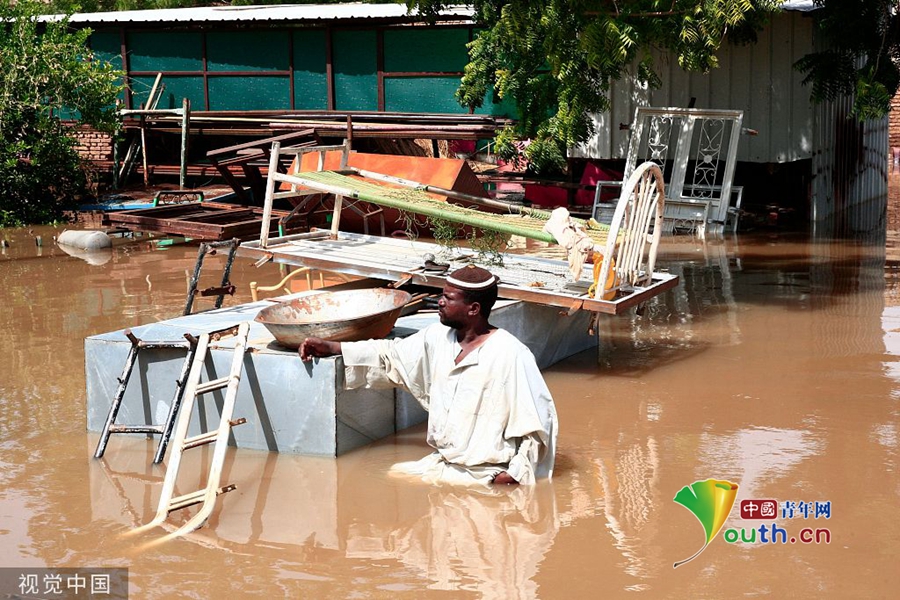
point(631, 498)
point(94, 257)
point(465, 540)
point(774, 364)
point(489, 541)
point(757, 457)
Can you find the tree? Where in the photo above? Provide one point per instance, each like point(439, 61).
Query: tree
point(46, 70)
point(556, 58)
point(861, 41)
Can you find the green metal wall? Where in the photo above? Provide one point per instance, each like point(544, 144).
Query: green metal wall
point(248, 51)
point(283, 69)
point(107, 46)
point(421, 94)
point(165, 51)
point(355, 70)
point(310, 73)
point(423, 50)
point(249, 93)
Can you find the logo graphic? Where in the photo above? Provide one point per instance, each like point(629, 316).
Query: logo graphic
point(759, 509)
point(710, 501)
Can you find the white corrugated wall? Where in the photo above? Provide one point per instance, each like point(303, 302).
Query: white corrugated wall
point(849, 184)
point(758, 79)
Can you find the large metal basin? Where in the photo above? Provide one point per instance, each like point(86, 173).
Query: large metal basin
point(338, 316)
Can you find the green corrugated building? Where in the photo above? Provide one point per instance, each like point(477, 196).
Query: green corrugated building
point(345, 57)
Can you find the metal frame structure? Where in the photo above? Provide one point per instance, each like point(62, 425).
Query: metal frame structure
point(164, 430)
point(226, 287)
point(709, 138)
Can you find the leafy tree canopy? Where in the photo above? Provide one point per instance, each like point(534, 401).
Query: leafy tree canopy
point(861, 41)
point(556, 59)
point(45, 69)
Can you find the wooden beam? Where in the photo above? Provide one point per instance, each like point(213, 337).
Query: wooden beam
point(123, 49)
point(291, 68)
point(185, 129)
point(329, 68)
point(205, 74)
point(379, 65)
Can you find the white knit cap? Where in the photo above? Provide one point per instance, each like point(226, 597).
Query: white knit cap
point(471, 277)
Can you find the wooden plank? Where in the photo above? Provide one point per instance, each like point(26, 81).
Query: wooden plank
point(187, 212)
point(256, 181)
point(248, 152)
point(166, 211)
point(209, 220)
point(286, 137)
point(167, 226)
point(232, 181)
point(218, 216)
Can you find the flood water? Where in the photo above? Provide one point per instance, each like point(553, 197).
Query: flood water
point(775, 364)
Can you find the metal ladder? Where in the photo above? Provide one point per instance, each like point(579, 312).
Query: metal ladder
point(165, 429)
point(226, 288)
point(190, 344)
point(218, 437)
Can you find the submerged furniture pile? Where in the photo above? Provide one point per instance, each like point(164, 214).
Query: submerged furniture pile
point(631, 239)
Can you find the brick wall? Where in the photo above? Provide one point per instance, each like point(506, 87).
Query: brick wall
point(893, 203)
point(894, 122)
point(93, 145)
point(893, 207)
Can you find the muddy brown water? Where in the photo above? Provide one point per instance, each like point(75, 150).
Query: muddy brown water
point(773, 365)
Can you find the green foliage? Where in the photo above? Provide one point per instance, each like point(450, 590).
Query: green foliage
point(489, 245)
point(861, 44)
point(8, 219)
point(556, 59)
point(44, 67)
point(445, 233)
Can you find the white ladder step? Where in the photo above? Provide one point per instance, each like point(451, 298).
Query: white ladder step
point(209, 436)
point(197, 497)
point(213, 385)
point(199, 440)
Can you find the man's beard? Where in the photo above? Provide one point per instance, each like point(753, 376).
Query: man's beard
point(449, 322)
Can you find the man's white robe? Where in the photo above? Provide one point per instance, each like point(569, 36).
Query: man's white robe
point(490, 413)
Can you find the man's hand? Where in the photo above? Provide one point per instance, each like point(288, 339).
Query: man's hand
point(504, 478)
point(317, 347)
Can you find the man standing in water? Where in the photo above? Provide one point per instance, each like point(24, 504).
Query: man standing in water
point(491, 418)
